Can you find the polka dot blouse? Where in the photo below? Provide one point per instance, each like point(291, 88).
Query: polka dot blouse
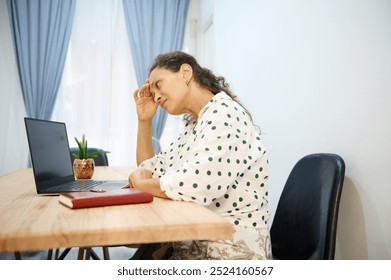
point(219, 162)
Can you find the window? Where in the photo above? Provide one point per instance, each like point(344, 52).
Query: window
point(96, 93)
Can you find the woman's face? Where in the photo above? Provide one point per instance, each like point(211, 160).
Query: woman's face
point(169, 90)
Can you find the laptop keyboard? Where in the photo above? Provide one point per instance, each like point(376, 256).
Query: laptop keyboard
point(78, 185)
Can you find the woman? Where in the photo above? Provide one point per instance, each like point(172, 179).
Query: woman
point(218, 161)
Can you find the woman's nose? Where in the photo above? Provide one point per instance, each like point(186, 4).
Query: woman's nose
point(157, 97)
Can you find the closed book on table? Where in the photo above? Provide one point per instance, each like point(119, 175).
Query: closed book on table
point(76, 200)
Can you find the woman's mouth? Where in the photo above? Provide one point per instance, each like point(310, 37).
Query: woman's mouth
point(162, 103)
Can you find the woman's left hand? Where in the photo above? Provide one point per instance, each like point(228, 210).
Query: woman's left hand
point(141, 179)
point(139, 174)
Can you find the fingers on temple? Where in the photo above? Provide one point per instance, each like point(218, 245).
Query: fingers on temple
point(136, 94)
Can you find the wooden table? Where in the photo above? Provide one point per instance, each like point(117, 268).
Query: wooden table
point(29, 221)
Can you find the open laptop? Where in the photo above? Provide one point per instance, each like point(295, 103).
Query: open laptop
point(52, 163)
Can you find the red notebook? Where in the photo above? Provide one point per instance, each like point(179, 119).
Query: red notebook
point(76, 200)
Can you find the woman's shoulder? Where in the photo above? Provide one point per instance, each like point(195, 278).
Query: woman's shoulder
point(225, 108)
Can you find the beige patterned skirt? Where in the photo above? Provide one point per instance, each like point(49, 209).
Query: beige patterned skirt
point(246, 244)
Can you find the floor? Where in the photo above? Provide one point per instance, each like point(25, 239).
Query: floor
point(116, 253)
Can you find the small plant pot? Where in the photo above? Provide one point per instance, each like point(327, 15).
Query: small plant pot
point(84, 168)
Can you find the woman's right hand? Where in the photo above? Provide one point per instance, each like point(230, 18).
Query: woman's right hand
point(145, 104)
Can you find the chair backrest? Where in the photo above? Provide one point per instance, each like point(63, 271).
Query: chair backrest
point(305, 222)
point(100, 160)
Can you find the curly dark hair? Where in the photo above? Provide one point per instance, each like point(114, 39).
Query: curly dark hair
point(204, 77)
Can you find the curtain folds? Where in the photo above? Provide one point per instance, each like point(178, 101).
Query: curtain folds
point(41, 30)
point(154, 27)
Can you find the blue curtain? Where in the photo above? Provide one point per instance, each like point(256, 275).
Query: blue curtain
point(154, 27)
point(41, 30)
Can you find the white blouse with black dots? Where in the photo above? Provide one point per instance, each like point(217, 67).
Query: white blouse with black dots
point(219, 162)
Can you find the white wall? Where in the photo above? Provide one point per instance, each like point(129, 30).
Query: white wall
point(316, 76)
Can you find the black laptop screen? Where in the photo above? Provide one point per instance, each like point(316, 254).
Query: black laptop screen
point(49, 150)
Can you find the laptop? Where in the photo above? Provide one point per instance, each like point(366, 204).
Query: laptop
point(52, 163)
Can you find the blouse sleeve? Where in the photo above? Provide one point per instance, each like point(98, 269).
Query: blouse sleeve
point(219, 155)
point(156, 164)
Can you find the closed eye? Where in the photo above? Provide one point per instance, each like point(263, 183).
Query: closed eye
point(154, 85)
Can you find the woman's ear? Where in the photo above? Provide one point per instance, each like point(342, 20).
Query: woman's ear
point(186, 71)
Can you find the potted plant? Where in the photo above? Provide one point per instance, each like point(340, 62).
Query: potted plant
point(84, 164)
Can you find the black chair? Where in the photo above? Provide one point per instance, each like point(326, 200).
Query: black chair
point(305, 222)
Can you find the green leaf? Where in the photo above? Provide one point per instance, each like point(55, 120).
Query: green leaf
point(80, 148)
point(97, 153)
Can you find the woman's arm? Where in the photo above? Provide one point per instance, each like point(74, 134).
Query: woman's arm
point(146, 108)
point(144, 141)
